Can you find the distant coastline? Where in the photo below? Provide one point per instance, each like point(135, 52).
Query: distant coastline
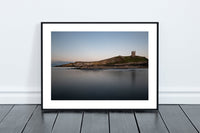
point(118, 62)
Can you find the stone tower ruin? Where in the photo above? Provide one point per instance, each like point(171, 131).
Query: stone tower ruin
point(133, 53)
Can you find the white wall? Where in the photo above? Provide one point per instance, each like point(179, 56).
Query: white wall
point(20, 41)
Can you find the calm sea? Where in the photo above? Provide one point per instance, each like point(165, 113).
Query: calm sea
point(108, 84)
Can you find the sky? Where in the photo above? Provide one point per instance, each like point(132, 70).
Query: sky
point(94, 46)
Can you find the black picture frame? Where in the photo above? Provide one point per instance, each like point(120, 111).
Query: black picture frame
point(42, 61)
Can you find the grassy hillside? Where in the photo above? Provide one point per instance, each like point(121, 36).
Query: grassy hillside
point(125, 59)
point(114, 61)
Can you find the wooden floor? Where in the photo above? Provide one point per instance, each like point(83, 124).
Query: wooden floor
point(169, 118)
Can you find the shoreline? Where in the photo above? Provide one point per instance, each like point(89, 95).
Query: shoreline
point(106, 67)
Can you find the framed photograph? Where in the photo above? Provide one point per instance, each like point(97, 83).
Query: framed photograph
point(99, 65)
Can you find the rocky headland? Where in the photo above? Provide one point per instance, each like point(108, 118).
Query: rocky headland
point(120, 62)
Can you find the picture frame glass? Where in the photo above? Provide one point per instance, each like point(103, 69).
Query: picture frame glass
point(99, 65)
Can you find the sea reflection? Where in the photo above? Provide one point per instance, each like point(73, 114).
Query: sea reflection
point(109, 84)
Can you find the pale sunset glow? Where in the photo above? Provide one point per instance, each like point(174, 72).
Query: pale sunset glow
point(94, 46)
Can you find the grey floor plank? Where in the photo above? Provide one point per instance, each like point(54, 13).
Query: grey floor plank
point(4, 109)
point(68, 122)
point(175, 119)
point(40, 122)
point(122, 122)
point(95, 122)
point(193, 112)
point(16, 119)
point(150, 122)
